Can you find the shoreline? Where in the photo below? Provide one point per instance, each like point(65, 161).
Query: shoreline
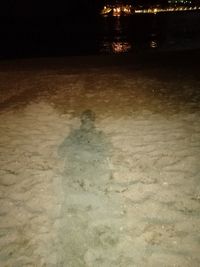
point(190, 56)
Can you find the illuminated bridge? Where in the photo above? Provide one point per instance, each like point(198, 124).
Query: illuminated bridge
point(117, 10)
point(125, 10)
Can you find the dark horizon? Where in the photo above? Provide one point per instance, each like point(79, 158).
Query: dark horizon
point(33, 8)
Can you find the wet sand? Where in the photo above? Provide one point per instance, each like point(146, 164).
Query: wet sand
point(99, 161)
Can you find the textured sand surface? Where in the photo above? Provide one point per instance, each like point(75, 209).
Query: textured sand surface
point(99, 166)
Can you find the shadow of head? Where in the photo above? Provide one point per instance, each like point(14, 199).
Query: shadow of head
point(88, 119)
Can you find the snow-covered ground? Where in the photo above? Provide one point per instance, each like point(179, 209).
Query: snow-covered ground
point(99, 164)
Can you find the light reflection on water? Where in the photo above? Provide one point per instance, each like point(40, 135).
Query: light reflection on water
point(110, 35)
point(116, 47)
point(153, 44)
point(121, 47)
point(122, 35)
point(126, 34)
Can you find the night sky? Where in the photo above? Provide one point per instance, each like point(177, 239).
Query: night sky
point(48, 8)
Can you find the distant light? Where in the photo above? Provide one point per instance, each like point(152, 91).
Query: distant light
point(119, 10)
point(153, 44)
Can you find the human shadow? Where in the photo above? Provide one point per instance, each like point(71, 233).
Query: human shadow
point(86, 152)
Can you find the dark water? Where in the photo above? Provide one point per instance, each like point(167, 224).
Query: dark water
point(29, 37)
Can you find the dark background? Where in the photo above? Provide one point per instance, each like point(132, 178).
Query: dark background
point(30, 28)
point(49, 8)
point(52, 28)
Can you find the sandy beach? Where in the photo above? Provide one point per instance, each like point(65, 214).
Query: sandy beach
point(99, 161)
